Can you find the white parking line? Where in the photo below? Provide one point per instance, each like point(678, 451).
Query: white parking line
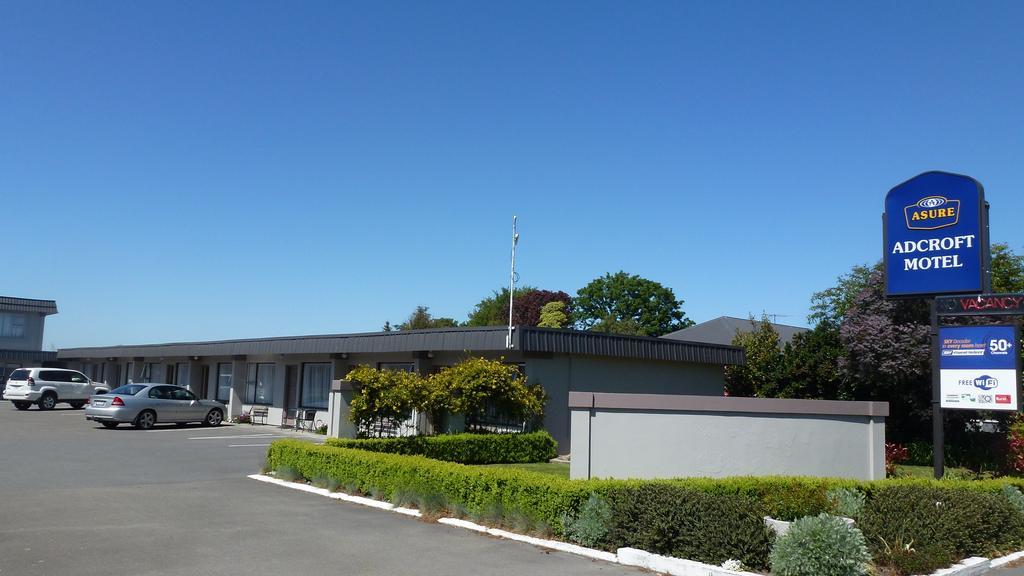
point(234, 436)
point(241, 445)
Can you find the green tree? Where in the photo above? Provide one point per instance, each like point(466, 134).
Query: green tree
point(1007, 269)
point(385, 395)
point(627, 303)
point(811, 365)
point(420, 319)
point(475, 385)
point(552, 315)
point(830, 305)
point(762, 374)
point(493, 310)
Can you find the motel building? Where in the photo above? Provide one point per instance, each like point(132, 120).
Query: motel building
point(287, 374)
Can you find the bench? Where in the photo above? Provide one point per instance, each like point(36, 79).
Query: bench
point(258, 412)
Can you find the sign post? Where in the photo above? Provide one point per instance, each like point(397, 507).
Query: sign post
point(935, 234)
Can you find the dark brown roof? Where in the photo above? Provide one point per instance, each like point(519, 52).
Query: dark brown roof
point(11, 304)
point(487, 338)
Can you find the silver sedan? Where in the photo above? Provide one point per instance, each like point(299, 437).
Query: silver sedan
point(143, 405)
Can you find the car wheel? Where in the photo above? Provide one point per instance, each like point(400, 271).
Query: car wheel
point(110, 424)
point(22, 405)
point(77, 405)
point(145, 420)
point(214, 418)
point(48, 401)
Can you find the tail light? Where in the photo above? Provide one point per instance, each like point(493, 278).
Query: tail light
point(117, 401)
point(31, 382)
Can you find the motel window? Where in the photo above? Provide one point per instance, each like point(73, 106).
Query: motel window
point(12, 325)
point(150, 371)
point(259, 383)
point(224, 381)
point(316, 384)
point(181, 375)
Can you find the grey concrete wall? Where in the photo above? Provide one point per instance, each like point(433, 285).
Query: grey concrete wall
point(33, 337)
point(655, 440)
point(562, 374)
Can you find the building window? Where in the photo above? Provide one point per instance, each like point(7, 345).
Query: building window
point(149, 372)
point(12, 325)
point(259, 383)
point(396, 366)
point(316, 383)
point(181, 375)
point(129, 373)
point(224, 381)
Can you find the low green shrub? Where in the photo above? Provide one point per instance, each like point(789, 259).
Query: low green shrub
point(947, 518)
point(590, 525)
point(1015, 497)
point(848, 502)
point(463, 448)
point(666, 518)
point(287, 473)
point(781, 497)
point(478, 490)
point(906, 558)
point(821, 545)
point(326, 482)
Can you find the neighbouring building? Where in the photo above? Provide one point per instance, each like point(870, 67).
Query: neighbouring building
point(723, 329)
point(21, 334)
point(284, 374)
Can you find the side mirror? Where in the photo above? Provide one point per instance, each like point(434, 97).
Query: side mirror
point(194, 403)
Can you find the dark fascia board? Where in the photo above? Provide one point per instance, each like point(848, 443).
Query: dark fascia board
point(27, 355)
point(681, 403)
point(11, 304)
point(528, 340)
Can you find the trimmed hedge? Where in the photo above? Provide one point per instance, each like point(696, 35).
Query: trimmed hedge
point(477, 490)
point(699, 519)
point(463, 448)
point(939, 523)
point(674, 520)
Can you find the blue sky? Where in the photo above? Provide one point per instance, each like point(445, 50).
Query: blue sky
point(201, 170)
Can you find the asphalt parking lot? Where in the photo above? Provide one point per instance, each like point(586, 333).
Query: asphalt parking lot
point(79, 499)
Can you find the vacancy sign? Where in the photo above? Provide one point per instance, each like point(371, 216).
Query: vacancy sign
point(978, 367)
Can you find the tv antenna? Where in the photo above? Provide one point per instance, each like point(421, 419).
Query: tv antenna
point(511, 284)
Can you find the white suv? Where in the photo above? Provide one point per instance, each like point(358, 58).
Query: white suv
point(48, 386)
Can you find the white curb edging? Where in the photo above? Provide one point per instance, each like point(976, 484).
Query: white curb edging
point(1004, 560)
point(967, 567)
point(555, 545)
point(460, 523)
point(674, 566)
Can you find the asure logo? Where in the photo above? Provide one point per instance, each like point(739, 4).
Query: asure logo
point(985, 382)
point(1002, 398)
point(932, 213)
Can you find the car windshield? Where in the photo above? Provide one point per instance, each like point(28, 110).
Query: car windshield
point(128, 389)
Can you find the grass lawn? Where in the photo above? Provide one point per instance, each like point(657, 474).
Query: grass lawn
point(926, 472)
point(552, 468)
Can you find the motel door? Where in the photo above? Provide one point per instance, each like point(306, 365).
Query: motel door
point(291, 388)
